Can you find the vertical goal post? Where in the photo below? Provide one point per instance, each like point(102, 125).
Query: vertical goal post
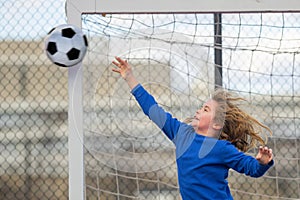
point(74, 10)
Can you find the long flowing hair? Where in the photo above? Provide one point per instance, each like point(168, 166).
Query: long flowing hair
point(241, 129)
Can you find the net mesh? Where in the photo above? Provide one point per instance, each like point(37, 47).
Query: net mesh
point(126, 156)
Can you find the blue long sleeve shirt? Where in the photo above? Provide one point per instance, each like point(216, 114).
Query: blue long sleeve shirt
point(202, 162)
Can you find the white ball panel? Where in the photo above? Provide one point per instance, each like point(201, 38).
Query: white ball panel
point(60, 57)
point(78, 41)
point(64, 44)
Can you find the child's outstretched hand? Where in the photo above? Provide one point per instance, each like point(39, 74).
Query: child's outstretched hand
point(264, 155)
point(124, 69)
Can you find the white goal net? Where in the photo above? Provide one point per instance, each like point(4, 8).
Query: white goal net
point(173, 56)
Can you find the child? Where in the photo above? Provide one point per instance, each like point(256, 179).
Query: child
point(213, 141)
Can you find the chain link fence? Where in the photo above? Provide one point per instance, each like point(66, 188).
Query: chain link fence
point(34, 103)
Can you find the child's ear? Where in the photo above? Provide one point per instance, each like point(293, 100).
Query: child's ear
point(217, 126)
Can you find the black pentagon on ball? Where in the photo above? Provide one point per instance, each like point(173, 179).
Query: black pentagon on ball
point(51, 48)
point(68, 32)
point(85, 41)
point(73, 54)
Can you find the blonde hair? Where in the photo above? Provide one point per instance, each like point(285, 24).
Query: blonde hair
point(239, 128)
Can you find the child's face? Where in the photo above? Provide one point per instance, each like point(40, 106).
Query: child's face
point(203, 119)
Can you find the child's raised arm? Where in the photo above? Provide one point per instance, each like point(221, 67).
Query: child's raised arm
point(147, 102)
point(124, 69)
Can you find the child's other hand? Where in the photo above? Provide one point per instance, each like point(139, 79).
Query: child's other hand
point(264, 155)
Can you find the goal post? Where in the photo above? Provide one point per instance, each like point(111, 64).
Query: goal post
point(75, 9)
point(75, 118)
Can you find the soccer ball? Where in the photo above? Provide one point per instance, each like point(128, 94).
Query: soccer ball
point(66, 45)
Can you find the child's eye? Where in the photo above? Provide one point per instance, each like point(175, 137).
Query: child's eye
point(206, 109)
